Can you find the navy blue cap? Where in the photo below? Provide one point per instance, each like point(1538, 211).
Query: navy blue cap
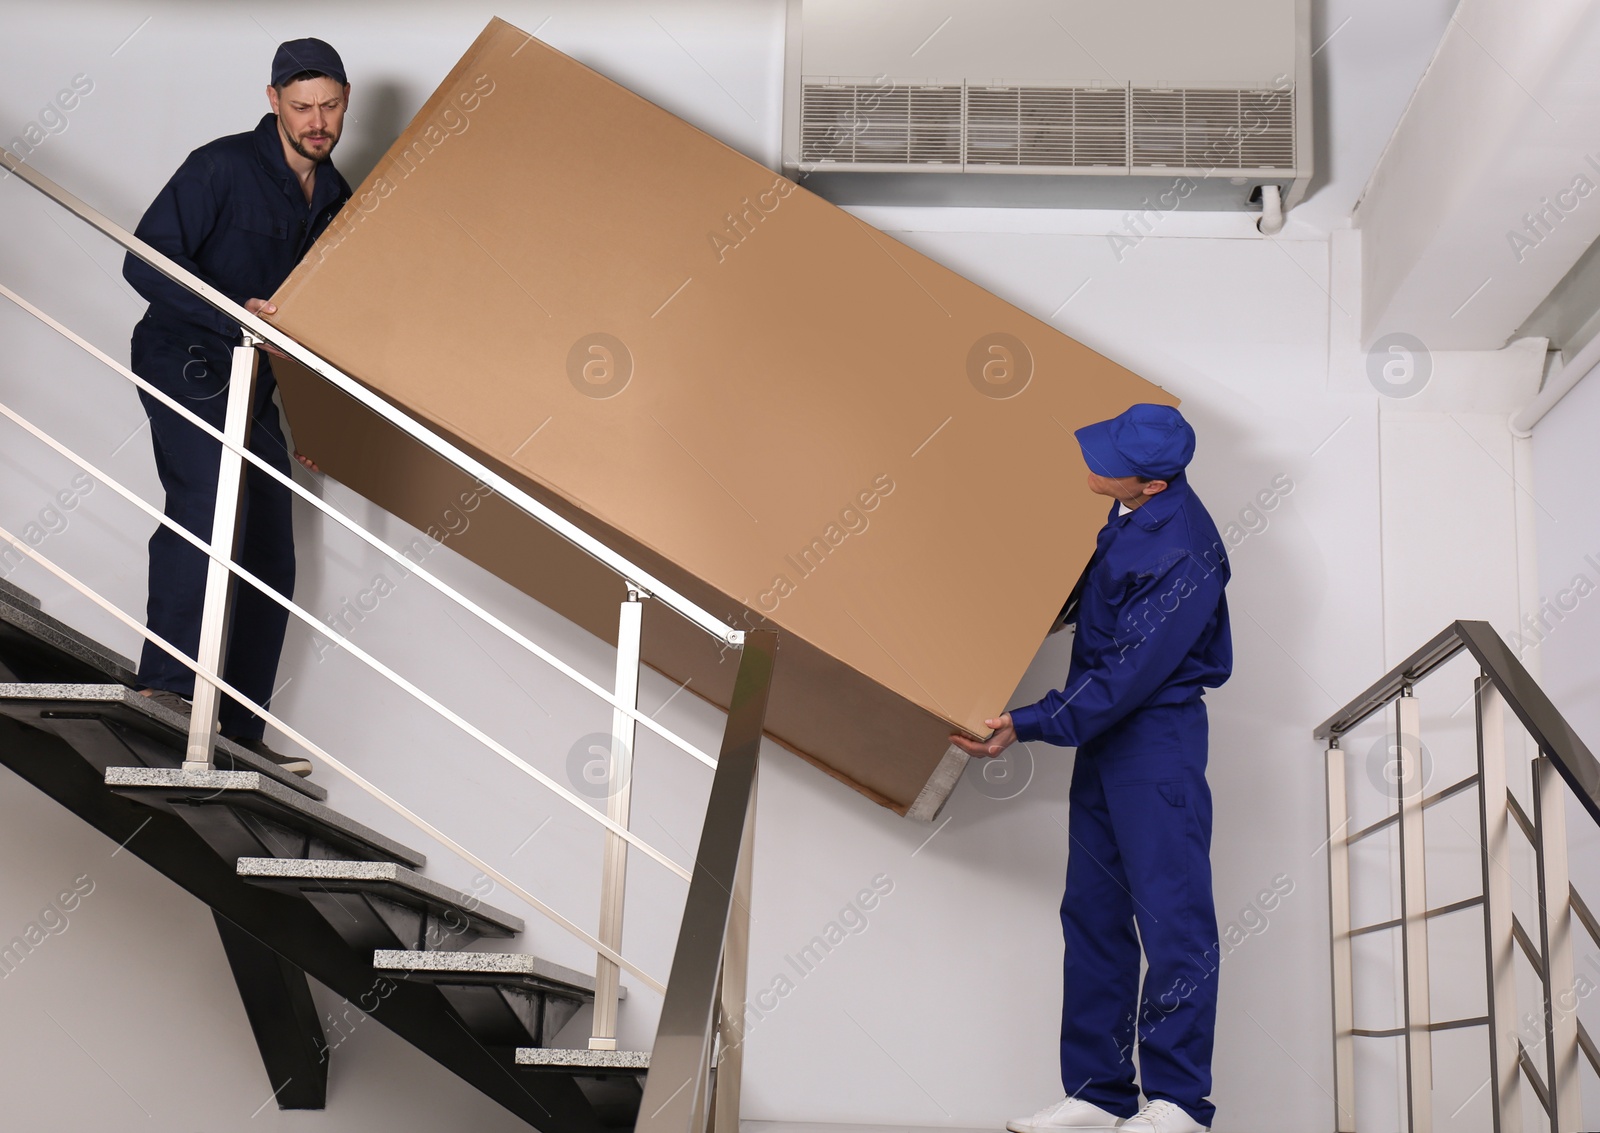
point(1153, 441)
point(298, 56)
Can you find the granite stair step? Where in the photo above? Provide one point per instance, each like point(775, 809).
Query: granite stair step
point(110, 725)
point(244, 814)
point(11, 592)
point(35, 647)
point(612, 1081)
point(383, 905)
point(505, 999)
point(634, 1062)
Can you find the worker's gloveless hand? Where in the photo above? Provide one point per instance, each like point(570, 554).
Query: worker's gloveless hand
point(307, 461)
point(264, 307)
point(1004, 736)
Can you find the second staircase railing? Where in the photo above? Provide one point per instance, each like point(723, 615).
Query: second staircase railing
point(1543, 1054)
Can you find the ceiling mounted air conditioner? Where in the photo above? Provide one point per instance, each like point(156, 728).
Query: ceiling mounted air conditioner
point(1049, 104)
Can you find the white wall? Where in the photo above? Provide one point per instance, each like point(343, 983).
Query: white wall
point(943, 1012)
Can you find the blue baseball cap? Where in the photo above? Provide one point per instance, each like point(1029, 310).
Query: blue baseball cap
point(1153, 441)
point(298, 56)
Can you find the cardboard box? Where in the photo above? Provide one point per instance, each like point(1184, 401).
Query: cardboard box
point(777, 409)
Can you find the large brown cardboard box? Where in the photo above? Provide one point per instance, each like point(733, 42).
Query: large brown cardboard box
point(780, 411)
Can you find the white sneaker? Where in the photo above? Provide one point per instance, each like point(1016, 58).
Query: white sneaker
point(1068, 1113)
point(1161, 1116)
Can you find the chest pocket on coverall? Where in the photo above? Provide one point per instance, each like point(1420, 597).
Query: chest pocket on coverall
point(249, 218)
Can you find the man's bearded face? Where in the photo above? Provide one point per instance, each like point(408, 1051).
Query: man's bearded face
point(311, 116)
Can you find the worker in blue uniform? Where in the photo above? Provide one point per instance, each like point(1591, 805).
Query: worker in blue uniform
point(1152, 635)
point(239, 213)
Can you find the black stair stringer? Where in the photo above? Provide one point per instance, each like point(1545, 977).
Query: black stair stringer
point(416, 1012)
point(293, 1045)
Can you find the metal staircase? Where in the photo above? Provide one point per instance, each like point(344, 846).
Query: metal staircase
point(301, 890)
point(298, 888)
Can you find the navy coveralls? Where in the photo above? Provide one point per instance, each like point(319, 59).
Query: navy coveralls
point(1152, 634)
point(233, 214)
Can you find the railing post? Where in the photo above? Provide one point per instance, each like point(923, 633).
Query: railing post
point(214, 616)
point(1344, 1068)
point(614, 867)
point(677, 1089)
point(1499, 941)
point(1555, 931)
point(735, 983)
point(1413, 916)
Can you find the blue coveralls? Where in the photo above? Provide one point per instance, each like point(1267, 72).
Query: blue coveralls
point(1152, 634)
point(233, 214)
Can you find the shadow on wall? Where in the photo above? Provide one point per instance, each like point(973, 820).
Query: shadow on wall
point(378, 111)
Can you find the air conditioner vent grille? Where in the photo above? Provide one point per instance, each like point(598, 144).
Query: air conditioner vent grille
point(1109, 129)
point(1212, 129)
point(881, 124)
point(1048, 126)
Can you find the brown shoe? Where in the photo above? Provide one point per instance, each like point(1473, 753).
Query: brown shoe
point(294, 764)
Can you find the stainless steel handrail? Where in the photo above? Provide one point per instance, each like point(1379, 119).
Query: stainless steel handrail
point(361, 532)
point(1523, 695)
point(636, 577)
point(1562, 758)
point(678, 1093)
point(616, 829)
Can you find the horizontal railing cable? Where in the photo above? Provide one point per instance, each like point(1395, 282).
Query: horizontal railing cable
point(344, 769)
point(355, 650)
point(635, 576)
point(359, 531)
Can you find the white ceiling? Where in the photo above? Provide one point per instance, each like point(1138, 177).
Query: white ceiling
point(1490, 190)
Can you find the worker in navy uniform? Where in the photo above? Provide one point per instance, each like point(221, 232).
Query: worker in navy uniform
point(239, 213)
point(1152, 636)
